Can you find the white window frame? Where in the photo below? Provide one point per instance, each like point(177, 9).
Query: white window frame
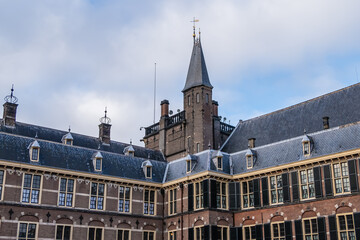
point(97, 196)
point(67, 192)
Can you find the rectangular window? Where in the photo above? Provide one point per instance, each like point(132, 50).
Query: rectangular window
point(188, 166)
point(199, 196)
point(124, 199)
point(34, 154)
point(97, 196)
point(198, 147)
point(123, 234)
point(31, 189)
point(2, 174)
point(148, 172)
point(172, 235)
point(222, 233)
point(306, 148)
point(207, 98)
point(149, 202)
point(278, 231)
point(172, 201)
point(248, 194)
point(95, 233)
point(346, 228)
point(199, 233)
point(221, 195)
point(249, 233)
point(249, 161)
point(63, 232)
point(98, 164)
point(219, 163)
point(341, 178)
point(307, 184)
point(189, 100)
point(310, 229)
point(66, 192)
point(27, 231)
point(276, 189)
point(149, 235)
point(197, 97)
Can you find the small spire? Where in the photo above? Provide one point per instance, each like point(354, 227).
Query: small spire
point(304, 131)
point(36, 135)
point(69, 128)
point(194, 27)
point(11, 98)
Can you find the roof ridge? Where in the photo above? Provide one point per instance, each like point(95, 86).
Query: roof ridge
point(301, 103)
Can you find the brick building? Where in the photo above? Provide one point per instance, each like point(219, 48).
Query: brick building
point(197, 178)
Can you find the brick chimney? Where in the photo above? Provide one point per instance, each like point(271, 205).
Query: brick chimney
point(251, 142)
point(10, 107)
point(215, 106)
point(164, 108)
point(104, 129)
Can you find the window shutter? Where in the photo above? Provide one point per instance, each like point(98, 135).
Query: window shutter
point(328, 180)
point(190, 198)
point(298, 230)
point(357, 224)
point(213, 194)
point(205, 186)
point(353, 176)
point(233, 233)
point(285, 180)
point(321, 227)
point(256, 185)
point(295, 186)
point(191, 233)
point(214, 232)
point(259, 235)
point(317, 180)
point(265, 193)
point(288, 230)
point(207, 232)
point(267, 231)
point(332, 227)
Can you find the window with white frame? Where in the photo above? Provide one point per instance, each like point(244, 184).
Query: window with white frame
point(97, 195)
point(346, 227)
point(199, 233)
point(341, 177)
point(63, 232)
point(66, 192)
point(172, 201)
point(148, 171)
point(278, 231)
point(27, 231)
point(221, 195)
point(306, 148)
point(124, 198)
point(172, 235)
point(2, 176)
point(307, 184)
point(123, 234)
point(149, 235)
point(248, 194)
point(249, 232)
point(219, 163)
point(31, 189)
point(199, 195)
point(276, 189)
point(188, 166)
point(249, 161)
point(95, 233)
point(149, 202)
point(222, 233)
point(310, 229)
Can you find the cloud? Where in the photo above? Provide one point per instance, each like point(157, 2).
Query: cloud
point(70, 59)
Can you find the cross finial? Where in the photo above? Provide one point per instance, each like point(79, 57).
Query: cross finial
point(105, 111)
point(194, 21)
point(69, 129)
point(12, 91)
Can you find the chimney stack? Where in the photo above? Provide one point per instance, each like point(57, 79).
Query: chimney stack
point(104, 129)
point(215, 106)
point(326, 124)
point(251, 143)
point(164, 108)
point(10, 107)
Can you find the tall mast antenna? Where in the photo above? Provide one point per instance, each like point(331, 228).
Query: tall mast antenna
point(154, 93)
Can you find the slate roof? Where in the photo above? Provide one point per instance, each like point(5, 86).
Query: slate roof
point(43, 133)
point(14, 148)
point(342, 107)
point(325, 142)
point(197, 73)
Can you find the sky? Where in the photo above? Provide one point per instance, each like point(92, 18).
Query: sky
point(69, 59)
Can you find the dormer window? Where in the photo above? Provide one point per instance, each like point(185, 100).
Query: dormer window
point(97, 161)
point(68, 139)
point(129, 150)
point(250, 158)
point(219, 160)
point(34, 151)
point(188, 166)
point(190, 161)
point(147, 168)
point(306, 142)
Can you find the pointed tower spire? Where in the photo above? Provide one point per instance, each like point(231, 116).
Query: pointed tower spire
point(197, 73)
